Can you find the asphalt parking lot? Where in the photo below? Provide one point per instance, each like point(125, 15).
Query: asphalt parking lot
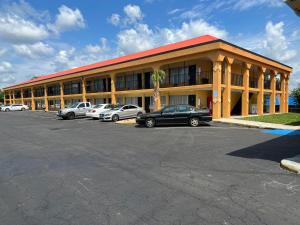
point(85, 172)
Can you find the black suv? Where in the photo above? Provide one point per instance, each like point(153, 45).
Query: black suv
point(175, 114)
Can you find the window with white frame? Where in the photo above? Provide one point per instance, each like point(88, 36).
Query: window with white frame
point(99, 101)
point(120, 100)
point(132, 100)
point(179, 75)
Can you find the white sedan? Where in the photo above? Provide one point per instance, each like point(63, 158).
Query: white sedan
point(96, 110)
point(14, 107)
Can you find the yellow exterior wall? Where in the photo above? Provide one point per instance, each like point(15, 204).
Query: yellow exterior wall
point(236, 68)
point(202, 95)
point(209, 58)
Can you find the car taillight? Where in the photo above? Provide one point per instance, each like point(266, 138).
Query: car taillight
point(94, 111)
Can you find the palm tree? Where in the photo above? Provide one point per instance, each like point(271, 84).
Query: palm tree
point(157, 77)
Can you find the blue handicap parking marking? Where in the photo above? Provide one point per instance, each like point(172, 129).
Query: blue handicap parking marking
point(282, 132)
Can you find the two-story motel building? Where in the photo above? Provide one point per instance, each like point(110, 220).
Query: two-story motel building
point(204, 71)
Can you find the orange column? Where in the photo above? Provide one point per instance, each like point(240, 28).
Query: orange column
point(4, 98)
point(22, 98)
point(62, 100)
point(14, 99)
point(83, 90)
point(10, 101)
point(32, 100)
point(227, 90)
point(217, 89)
point(287, 93)
point(245, 94)
point(113, 88)
point(273, 93)
point(46, 99)
point(260, 94)
point(282, 95)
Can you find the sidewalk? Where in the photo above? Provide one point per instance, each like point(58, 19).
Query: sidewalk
point(262, 125)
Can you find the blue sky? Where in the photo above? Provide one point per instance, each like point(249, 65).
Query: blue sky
point(41, 37)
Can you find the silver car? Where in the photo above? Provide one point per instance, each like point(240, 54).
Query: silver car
point(121, 112)
point(78, 109)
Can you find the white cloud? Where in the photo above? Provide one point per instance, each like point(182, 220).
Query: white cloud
point(197, 11)
point(24, 10)
point(114, 19)
point(100, 48)
point(244, 5)
point(207, 8)
point(192, 29)
point(2, 51)
point(20, 23)
point(6, 70)
point(5, 67)
point(174, 11)
point(7, 79)
point(133, 15)
point(276, 43)
point(17, 30)
point(63, 59)
point(133, 12)
point(136, 39)
point(141, 37)
point(70, 57)
point(36, 50)
point(67, 19)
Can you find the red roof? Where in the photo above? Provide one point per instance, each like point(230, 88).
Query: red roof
point(126, 58)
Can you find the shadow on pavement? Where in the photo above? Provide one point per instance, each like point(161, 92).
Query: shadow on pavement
point(282, 147)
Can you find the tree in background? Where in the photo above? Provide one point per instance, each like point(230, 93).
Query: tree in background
point(157, 77)
point(1, 96)
point(296, 94)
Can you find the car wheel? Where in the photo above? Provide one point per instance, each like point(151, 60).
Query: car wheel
point(23, 109)
point(115, 118)
point(6, 110)
point(194, 122)
point(139, 114)
point(95, 118)
point(71, 116)
point(150, 122)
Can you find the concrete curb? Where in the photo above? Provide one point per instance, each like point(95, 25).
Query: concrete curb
point(126, 122)
point(291, 164)
point(261, 125)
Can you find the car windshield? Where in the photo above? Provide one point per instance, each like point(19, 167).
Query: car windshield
point(74, 105)
point(116, 107)
point(98, 106)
